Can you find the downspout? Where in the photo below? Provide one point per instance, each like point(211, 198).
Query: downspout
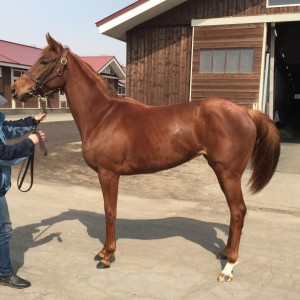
point(191, 71)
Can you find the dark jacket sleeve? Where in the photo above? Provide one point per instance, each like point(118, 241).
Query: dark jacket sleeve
point(16, 129)
point(10, 154)
point(29, 121)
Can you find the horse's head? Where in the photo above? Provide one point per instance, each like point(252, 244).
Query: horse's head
point(45, 74)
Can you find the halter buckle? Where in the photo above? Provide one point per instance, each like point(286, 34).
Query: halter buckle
point(63, 61)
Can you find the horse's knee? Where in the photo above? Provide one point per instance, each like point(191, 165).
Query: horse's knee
point(110, 216)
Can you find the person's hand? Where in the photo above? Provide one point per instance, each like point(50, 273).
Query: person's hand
point(35, 139)
point(40, 117)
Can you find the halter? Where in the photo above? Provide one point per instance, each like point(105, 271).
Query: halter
point(45, 78)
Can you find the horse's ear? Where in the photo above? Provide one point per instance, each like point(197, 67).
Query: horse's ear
point(53, 44)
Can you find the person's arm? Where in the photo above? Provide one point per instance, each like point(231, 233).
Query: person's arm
point(13, 154)
point(18, 128)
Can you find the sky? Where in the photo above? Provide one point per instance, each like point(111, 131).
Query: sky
point(71, 22)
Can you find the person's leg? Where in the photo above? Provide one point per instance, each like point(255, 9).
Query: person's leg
point(5, 234)
point(7, 275)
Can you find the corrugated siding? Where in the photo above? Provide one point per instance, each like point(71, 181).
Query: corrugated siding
point(242, 88)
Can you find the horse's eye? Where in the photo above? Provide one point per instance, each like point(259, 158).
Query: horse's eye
point(43, 62)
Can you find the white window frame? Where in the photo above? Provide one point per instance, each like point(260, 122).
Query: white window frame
point(13, 79)
point(225, 71)
point(12, 73)
point(282, 5)
point(122, 90)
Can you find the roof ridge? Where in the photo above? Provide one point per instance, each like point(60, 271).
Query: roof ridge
point(9, 58)
point(96, 56)
point(20, 44)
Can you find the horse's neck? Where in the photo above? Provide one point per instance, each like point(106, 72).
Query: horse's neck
point(86, 98)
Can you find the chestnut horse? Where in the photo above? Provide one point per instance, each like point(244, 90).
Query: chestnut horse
point(121, 136)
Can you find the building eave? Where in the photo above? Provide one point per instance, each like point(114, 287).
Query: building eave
point(11, 65)
point(118, 24)
point(113, 63)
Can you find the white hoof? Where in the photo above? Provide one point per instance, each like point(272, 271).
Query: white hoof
point(225, 278)
point(227, 273)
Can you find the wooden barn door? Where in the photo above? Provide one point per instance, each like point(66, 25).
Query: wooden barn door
point(227, 61)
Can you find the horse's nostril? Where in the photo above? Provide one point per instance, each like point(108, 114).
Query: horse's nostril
point(12, 91)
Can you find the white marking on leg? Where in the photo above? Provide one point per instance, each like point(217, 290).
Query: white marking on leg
point(228, 269)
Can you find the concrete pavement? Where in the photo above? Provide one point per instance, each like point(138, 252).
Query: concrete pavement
point(165, 250)
point(51, 116)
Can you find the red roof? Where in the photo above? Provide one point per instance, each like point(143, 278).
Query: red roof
point(22, 55)
point(18, 54)
point(97, 62)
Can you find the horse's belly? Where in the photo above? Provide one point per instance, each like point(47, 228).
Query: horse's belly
point(155, 161)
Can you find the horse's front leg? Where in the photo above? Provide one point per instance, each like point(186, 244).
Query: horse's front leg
point(109, 183)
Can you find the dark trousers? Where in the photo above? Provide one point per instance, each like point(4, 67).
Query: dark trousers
point(5, 234)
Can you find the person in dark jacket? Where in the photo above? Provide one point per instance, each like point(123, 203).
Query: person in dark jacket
point(9, 156)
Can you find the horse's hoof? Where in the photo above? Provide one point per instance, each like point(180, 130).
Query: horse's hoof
point(224, 278)
point(97, 257)
point(102, 266)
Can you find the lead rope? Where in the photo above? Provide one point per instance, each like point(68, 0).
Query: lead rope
point(29, 162)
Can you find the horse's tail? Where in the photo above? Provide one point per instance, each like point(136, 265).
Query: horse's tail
point(266, 151)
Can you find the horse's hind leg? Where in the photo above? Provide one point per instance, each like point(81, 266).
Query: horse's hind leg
point(230, 182)
point(109, 183)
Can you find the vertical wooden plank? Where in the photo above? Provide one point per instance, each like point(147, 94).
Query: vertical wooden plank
point(135, 66)
point(168, 69)
point(183, 66)
point(128, 64)
point(200, 9)
point(160, 65)
point(141, 64)
point(232, 8)
point(240, 7)
point(147, 71)
point(175, 64)
point(154, 66)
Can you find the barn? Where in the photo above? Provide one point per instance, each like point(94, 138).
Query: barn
point(246, 51)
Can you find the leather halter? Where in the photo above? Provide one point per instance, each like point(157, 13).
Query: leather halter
point(45, 77)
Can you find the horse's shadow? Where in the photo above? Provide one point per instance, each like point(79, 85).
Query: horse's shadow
point(202, 233)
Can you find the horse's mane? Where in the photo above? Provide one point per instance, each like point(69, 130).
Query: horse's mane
point(106, 87)
point(104, 84)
